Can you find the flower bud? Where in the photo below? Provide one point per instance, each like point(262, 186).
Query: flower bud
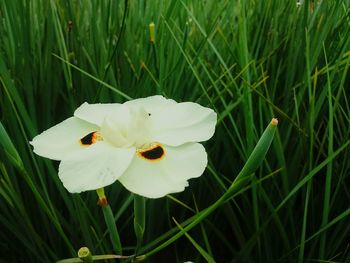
point(152, 33)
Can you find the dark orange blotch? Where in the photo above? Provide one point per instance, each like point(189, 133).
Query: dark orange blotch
point(154, 153)
point(88, 139)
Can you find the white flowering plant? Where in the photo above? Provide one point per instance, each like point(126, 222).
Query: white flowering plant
point(150, 145)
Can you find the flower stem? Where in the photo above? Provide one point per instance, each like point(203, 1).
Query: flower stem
point(139, 220)
point(110, 222)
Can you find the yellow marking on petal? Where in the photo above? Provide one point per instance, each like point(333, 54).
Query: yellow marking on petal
point(90, 138)
point(153, 153)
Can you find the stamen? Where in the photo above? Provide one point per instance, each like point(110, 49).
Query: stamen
point(154, 153)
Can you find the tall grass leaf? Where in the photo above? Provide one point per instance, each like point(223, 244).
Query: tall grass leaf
point(9, 148)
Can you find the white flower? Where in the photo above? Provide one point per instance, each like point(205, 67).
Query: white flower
point(148, 144)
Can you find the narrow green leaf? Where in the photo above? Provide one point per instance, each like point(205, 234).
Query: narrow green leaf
point(9, 148)
point(204, 253)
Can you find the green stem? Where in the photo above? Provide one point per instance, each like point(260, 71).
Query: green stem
point(112, 228)
point(110, 221)
point(85, 255)
point(139, 220)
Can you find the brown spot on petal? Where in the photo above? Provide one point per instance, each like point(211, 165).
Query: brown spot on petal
point(89, 139)
point(154, 153)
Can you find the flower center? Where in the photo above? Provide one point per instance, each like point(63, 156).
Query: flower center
point(127, 127)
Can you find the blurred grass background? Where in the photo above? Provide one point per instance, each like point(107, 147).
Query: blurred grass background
point(248, 60)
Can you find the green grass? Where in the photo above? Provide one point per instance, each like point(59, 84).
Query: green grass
point(248, 60)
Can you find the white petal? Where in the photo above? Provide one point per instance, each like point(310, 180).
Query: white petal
point(62, 138)
point(155, 179)
point(95, 113)
point(183, 122)
point(151, 104)
point(94, 167)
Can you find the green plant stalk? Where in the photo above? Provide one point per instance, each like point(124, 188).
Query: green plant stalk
point(112, 228)
point(244, 63)
point(328, 184)
point(110, 222)
point(311, 97)
point(253, 162)
point(94, 258)
point(139, 220)
point(152, 38)
point(85, 255)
